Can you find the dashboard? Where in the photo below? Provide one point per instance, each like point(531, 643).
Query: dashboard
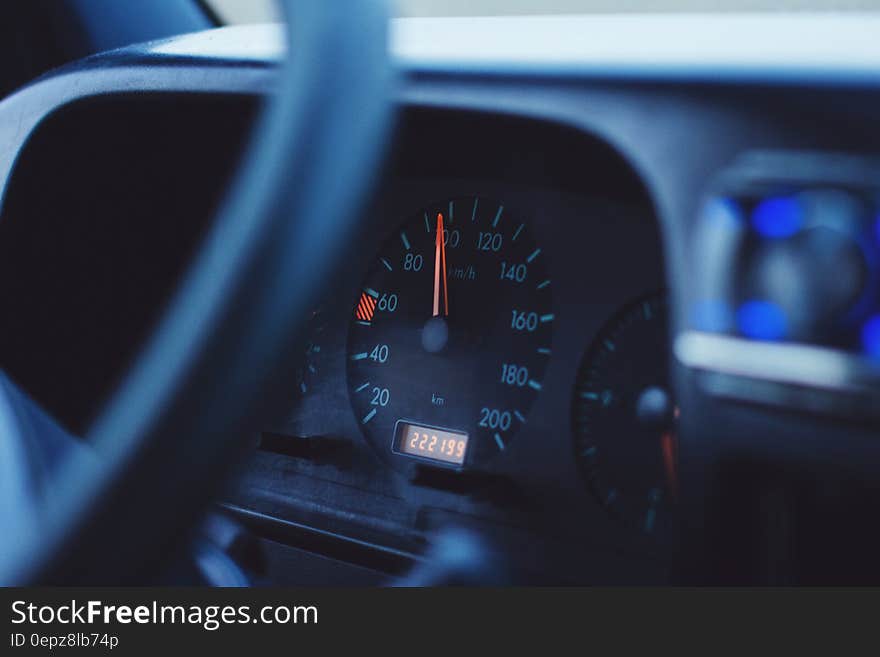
point(502, 353)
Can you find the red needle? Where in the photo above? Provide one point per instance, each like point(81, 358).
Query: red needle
point(442, 234)
point(669, 448)
point(440, 262)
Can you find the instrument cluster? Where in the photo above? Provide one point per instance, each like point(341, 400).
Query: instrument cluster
point(500, 354)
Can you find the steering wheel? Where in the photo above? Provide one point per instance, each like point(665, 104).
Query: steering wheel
point(172, 431)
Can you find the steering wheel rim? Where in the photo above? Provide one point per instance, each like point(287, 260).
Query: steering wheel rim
point(205, 377)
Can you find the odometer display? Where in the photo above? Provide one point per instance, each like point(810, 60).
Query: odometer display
point(430, 443)
point(452, 329)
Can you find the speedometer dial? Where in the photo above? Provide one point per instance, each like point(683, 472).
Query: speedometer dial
point(450, 335)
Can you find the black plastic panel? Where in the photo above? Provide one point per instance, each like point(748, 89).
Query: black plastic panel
point(108, 200)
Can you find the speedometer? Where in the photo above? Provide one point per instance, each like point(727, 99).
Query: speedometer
point(450, 335)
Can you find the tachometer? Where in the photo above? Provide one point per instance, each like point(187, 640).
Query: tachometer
point(624, 417)
point(450, 335)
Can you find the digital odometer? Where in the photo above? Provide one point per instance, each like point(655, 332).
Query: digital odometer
point(430, 443)
point(451, 334)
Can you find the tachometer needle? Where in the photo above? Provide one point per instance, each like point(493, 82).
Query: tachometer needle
point(669, 450)
point(440, 269)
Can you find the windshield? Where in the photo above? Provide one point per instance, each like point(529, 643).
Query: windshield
point(257, 11)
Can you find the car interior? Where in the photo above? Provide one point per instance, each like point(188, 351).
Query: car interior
point(356, 298)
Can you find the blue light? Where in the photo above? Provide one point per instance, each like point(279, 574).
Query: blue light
point(762, 320)
point(877, 229)
point(871, 337)
point(777, 217)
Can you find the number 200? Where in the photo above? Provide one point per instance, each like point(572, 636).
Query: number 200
point(495, 419)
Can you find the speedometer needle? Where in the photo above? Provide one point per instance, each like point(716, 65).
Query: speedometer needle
point(440, 269)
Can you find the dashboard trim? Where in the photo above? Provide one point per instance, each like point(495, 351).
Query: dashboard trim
point(821, 47)
point(325, 543)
